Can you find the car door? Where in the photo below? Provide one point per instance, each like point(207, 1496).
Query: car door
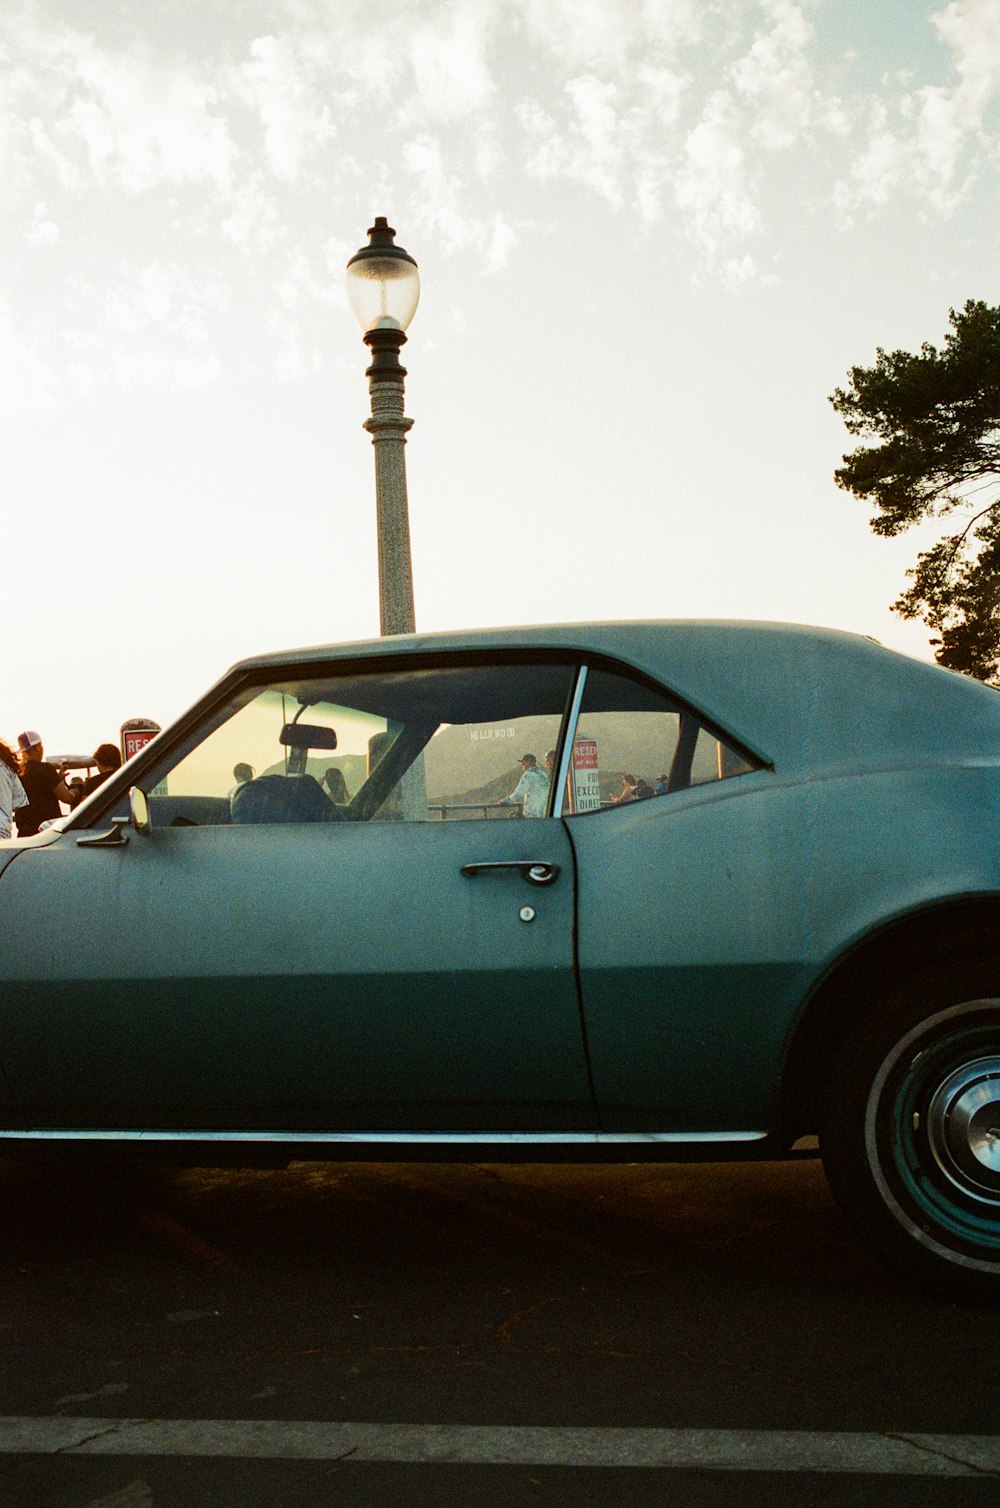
point(402, 962)
point(685, 954)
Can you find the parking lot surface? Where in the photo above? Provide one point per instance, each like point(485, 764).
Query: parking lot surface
point(389, 1333)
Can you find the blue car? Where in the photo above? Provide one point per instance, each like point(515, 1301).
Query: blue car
point(654, 890)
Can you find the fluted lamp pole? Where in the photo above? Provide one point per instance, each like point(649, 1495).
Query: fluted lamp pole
point(383, 289)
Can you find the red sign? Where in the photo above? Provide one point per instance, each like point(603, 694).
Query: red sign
point(136, 734)
point(586, 775)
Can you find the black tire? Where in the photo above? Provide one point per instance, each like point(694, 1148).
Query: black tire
point(910, 1132)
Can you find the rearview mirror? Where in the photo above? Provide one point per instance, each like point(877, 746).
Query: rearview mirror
point(308, 736)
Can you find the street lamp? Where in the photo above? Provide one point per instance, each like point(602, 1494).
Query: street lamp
point(383, 287)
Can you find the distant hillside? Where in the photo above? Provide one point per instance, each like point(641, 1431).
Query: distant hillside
point(351, 766)
point(481, 762)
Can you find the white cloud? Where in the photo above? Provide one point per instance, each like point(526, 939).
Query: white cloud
point(971, 29)
point(142, 124)
point(126, 117)
point(437, 195)
point(713, 188)
point(937, 146)
point(294, 116)
point(42, 230)
point(776, 76)
point(579, 32)
point(596, 148)
point(502, 241)
point(878, 170)
point(736, 272)
point(545, 153)
point(448, 56)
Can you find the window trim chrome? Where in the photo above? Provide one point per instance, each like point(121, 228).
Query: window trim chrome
point(558, 796)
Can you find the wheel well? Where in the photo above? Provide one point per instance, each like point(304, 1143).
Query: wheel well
point(907, 946)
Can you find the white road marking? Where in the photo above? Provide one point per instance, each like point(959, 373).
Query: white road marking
point(135, 1495)
point(865, 1454)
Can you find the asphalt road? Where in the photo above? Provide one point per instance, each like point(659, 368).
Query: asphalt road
point(554, 1326)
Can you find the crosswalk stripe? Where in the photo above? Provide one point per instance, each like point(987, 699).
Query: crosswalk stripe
point(901, 1454)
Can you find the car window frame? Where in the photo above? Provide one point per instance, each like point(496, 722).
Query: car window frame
point(177, 741)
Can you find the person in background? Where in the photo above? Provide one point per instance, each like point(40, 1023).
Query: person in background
point(12, 794)
point(241, 774)
point(43, 785)
point(532, 790)
point(336, 786)
point(627, 792)
point(108, 760)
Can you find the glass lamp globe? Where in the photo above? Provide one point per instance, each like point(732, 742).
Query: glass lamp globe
point(383, 284)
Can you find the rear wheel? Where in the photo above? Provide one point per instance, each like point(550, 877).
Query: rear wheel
point(910, 1137)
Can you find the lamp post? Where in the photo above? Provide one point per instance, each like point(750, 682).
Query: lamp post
point(383, 288)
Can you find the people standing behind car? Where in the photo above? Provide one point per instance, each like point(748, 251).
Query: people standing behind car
point(12, 794)
point(627, 792)
point(43, 785)
point(108, 760)
point(336, 786)
point(532, 790)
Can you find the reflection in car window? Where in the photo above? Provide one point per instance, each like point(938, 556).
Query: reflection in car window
point(422, 744)
point(633, 742)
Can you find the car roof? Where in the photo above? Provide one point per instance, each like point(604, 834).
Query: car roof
point(797, 696)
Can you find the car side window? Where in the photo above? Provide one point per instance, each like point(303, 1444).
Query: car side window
point(423, 743)
point(633, 742)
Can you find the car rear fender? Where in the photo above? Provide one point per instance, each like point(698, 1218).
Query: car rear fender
point(904, 947)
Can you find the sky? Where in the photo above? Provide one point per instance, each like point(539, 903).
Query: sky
point(653, 237)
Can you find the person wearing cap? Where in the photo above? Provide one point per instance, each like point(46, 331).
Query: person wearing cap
point(532, 790)
point(43, 785)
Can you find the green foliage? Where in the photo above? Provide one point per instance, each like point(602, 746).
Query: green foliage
point(932, 426)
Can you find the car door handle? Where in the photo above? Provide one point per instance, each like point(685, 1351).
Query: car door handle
point(536, 871)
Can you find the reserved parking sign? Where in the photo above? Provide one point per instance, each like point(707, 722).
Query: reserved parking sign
point(136, 734)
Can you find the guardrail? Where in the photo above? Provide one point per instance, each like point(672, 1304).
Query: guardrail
point(483, 808)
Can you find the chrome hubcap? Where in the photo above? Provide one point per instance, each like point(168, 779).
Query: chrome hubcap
point(963, 1128)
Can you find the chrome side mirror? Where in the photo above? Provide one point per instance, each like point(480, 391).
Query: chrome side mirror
point(139, 808)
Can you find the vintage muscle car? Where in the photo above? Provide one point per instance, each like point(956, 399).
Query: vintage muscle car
point(762, 903)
